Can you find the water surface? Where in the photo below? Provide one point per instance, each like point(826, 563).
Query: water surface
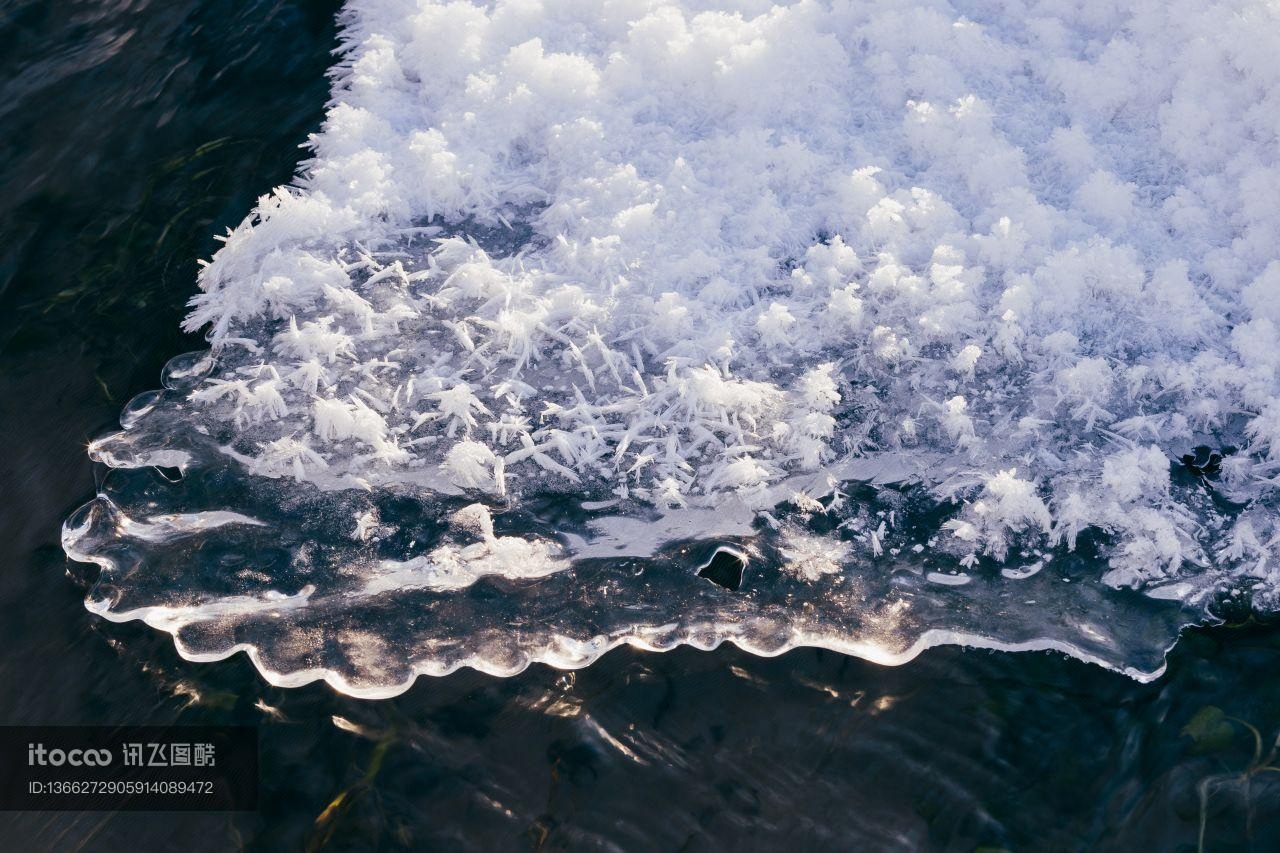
point(131, 134)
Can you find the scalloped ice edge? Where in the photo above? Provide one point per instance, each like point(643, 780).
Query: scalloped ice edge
point(576, 653)
point(582, 653)
point(592, 650)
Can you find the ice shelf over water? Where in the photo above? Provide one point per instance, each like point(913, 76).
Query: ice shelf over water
point(952, 322)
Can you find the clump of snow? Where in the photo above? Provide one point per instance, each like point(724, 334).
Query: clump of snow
point(1032, 242)
point(473, 553)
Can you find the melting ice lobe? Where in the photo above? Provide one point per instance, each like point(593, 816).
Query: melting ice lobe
point(948, 322)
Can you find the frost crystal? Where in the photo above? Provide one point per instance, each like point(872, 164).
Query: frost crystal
point(692, 255)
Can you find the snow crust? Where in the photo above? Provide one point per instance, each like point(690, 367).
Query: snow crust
point(679, 255)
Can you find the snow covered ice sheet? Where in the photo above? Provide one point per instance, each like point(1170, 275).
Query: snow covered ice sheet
point(957, 321)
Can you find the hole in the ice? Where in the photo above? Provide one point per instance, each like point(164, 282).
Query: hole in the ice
point(1204, 461)
point(725, 568)
point(168, 473)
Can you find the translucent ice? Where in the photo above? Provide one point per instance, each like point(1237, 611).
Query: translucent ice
point(957, 320)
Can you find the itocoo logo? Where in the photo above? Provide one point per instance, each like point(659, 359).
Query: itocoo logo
point(38, 755)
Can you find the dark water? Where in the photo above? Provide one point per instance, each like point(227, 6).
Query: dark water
point(130, 133)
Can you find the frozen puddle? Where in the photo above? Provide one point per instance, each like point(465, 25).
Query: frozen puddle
point(871, 326)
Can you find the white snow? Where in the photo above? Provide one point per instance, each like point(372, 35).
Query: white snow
point(718, 243)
